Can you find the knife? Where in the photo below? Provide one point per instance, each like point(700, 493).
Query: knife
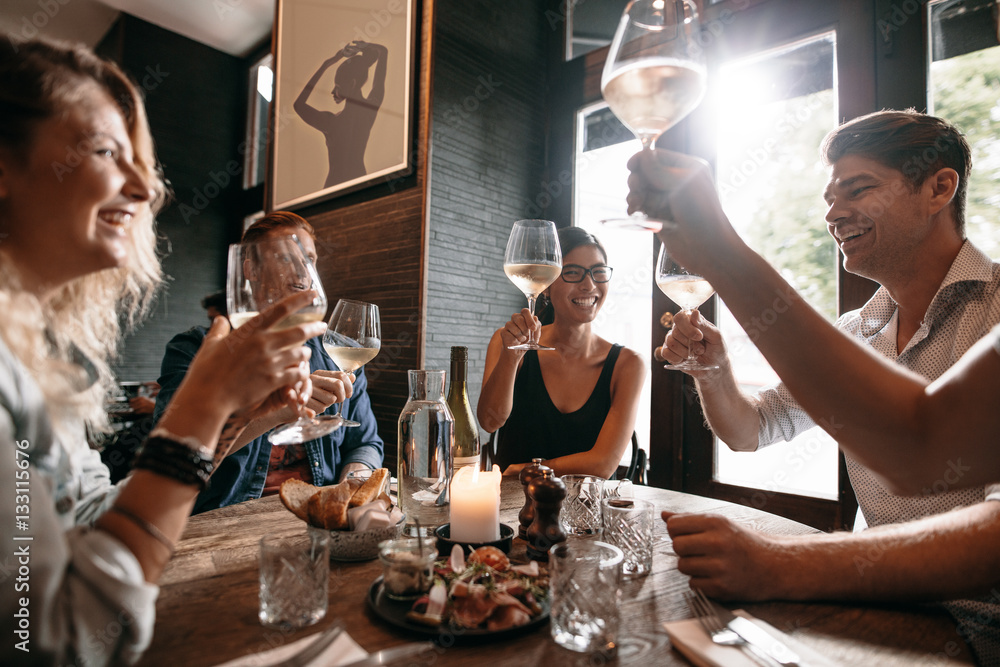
point(754, 634)
point(390, 655)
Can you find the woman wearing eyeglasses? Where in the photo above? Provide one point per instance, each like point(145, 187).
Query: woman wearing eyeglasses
point(573, 406)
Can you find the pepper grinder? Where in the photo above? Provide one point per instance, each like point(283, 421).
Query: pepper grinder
point(547, 493)
point(527, 513)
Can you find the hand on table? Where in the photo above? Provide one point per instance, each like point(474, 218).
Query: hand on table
point(518, 329)
point(695, 332)
point(142, 405)
point(514, 469)
point(724, 559)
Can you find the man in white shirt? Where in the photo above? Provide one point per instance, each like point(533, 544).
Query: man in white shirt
point(896, 209)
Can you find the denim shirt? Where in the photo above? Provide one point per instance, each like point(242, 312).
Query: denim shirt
point(241, 475)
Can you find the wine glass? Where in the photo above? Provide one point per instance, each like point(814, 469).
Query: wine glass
point(686, 290)
point(533, 261)
point(353, 337)
point(260, 274)
point(654, 76)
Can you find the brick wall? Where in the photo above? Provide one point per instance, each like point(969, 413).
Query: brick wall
point(487, 158)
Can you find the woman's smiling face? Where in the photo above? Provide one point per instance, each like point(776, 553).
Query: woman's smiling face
point(579, 302)
point(67, 205)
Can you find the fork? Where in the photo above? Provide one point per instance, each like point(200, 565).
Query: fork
point(313, 649)
point(719, 632)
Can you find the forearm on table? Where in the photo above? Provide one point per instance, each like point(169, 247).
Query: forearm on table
point(948, 556)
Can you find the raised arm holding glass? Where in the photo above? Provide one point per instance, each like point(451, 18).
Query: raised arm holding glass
point(896, 201)
point(573, 403)
point(78, 258)
point(256, 466)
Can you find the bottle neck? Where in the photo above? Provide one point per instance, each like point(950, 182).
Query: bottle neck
point(459, 370)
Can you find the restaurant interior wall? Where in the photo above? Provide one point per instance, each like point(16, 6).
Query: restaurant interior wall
point(486, 169)
point(194, 97)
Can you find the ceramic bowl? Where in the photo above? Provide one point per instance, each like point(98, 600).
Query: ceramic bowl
point(351, 545)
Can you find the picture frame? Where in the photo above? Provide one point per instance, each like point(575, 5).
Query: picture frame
point(342, 117)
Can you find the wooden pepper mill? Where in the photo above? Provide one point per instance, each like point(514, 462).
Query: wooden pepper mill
point(527, 513)
point(547, 493)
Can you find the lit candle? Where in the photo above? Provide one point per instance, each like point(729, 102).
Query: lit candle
point(475, 505)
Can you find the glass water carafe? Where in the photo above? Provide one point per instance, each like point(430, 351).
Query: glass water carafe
point(426, 435)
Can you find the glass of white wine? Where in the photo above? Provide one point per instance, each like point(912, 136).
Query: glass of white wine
point(654, 76)
point(353, 338)
point(260, 274)
point(686, 290)
point(533, 261)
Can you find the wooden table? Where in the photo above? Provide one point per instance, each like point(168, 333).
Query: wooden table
point(207, 609)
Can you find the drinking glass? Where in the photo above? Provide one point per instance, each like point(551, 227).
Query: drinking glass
point(688, 291)
point(585, 584)
point(628, 525)
point(260, 274)
point(581, 509)
point(294, 579)
point(533, 261)
point(654, 75)
point(353, 337)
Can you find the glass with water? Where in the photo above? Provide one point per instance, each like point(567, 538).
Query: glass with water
point(426, 435)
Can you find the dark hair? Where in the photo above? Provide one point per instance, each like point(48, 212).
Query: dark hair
point(277, 220)
point(914, 143)
point(215, 300)
point(570, 238)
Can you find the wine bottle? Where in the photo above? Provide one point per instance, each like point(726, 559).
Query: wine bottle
point(466, 449)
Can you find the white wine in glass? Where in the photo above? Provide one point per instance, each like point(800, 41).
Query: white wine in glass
point(654, 76)
point(353, 338)
point(686, 290)
point(532, 261)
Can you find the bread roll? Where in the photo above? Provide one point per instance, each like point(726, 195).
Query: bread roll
point(371, 488)
point(295, 495)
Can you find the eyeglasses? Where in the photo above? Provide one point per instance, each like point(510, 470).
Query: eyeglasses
point(573, 273)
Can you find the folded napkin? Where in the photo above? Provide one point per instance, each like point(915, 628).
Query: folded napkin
point(693, 642)
point(342, 651)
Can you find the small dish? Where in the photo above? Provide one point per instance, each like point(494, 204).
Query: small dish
point(445, 543)
point(352, 545)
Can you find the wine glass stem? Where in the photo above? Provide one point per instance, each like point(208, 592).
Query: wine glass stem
point(531, 309)
point(690, 357)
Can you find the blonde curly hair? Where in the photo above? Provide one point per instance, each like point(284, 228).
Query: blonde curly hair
point(89, 315)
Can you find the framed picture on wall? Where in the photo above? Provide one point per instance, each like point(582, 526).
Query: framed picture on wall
point(343, 91)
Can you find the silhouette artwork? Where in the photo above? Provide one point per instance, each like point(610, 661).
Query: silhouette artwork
point(347, 131)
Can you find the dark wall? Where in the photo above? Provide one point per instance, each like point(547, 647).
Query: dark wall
point(195, 97)
point(487, 166)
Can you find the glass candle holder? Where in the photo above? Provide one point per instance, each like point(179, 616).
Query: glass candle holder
point(407, 569)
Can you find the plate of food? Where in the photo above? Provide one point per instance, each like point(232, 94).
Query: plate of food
point(483, 598)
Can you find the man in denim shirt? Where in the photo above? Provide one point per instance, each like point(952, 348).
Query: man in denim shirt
point(257, 468)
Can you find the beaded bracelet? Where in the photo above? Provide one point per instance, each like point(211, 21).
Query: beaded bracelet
point(146, 527)
point(175, 460)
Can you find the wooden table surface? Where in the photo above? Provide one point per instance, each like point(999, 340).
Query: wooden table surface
point(207, 609)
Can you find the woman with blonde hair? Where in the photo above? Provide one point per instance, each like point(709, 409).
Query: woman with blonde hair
point(79, 189)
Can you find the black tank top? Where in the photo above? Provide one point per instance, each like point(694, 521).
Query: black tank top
point(536, 428)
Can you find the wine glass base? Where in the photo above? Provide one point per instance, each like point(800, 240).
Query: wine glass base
point(688, 365)
point(303, 430)
point(635, 223)
point(529, 346)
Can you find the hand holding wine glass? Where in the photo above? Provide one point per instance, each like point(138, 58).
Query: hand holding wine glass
point(353, 338)
point(260, 274)
point(533, 261)
point(654, 75)
point(686, 290)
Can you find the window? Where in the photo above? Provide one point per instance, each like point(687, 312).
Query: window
point(604, 147)
point(261, 90)
point(771, 110)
